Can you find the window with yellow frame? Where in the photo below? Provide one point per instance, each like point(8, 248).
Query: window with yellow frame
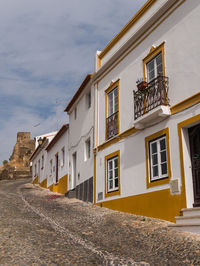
point(154, 63)
point(112, 110)
point(158, 158)
point(112, 174)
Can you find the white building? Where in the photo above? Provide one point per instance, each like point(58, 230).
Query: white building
point(39, 158)
point(58, 161)
point(147, 144)
point(81, 133)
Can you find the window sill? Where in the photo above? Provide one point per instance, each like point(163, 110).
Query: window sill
point(158, 182)
point(112, 193)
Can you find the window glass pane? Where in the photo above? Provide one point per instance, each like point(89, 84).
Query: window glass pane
point(154, 147)
point(116, 172)
point(110, 174)
point(159, 59)
point(110, 165)
point(155, 159)
point(116, 163)
point(150, 70)
point(162, 144)
point(116, 183)
point(110, 104)
point(163, 156)
point(155, 171)
point(111, 184)
point(164, 168)
point(160, 70)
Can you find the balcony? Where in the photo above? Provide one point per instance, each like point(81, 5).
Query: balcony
point(112, 125)
point(151, 103)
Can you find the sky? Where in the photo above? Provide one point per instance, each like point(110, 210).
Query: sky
point(46, 49)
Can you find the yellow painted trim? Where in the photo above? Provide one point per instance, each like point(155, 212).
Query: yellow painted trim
point(117, 138)
point(180, 126)
point(147, 139)
point(44, 183)
point(137, 16)
point(62, 185)
point(95, 178)
point(152, 53)
point(35, 181)
point(118, 192)
point(157, 204)
point(112, 86)
point(98, 62)
point(138, 41)
point(194, 99)
point(97, 121)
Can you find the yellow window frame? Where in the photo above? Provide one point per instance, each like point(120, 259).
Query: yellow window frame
point(152, 53)
point(112, 86)
point(117, 192)
point(147, 140)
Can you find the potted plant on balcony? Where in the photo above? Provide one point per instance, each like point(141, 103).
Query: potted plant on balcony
point(141, 84)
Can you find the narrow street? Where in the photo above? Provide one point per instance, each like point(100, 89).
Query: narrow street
point(39, 227)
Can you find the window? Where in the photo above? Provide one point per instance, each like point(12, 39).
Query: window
point(87, 149)
point(112, 108)
point(39, 167)
point(154, 67)
point(153, 63)
point(42, 162)
point(158, 158)
point(75, 113)
point(113, 102)
point(112, 174)
point(88, 99)
point(63, 157)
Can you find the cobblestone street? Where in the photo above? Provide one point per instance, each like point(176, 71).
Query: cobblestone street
point(39, 227)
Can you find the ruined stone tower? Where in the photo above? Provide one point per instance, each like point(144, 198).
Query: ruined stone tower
point(19, 165)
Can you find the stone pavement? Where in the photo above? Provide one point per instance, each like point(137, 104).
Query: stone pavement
point(39, 227)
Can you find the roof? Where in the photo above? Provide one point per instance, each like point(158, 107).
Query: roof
point(135, 18)
point(37, 149)
point(78, 92)
point(62, 130)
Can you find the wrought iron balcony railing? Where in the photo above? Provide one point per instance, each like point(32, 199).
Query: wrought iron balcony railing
point(112, 125)
point(154, 95)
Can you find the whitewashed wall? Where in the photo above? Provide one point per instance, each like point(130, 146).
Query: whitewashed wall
point(80, 130)
point(61, 143)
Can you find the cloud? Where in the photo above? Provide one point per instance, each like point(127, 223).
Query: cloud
point(46, 49)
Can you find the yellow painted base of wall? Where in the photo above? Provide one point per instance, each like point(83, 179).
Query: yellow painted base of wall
point(35, 181)
point(159, 204)
point(61, 187)
point(44, 183)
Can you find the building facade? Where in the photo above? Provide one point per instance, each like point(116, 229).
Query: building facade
point(147, 113)
point(81, 135)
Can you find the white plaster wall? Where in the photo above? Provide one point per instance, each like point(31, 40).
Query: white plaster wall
point(80, 130)
point(180, 31)
point(57, 149)
point(133, 159)
point(143, 20)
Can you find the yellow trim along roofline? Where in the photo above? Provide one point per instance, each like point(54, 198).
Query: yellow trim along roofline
point(137, 42)
point(137, 16)
point(117, 192)
point(147, 139)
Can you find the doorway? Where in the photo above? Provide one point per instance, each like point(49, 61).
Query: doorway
point(74, 169)
point(56, 168)
point(194, 139)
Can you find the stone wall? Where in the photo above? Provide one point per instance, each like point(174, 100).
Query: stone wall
point(19, 164)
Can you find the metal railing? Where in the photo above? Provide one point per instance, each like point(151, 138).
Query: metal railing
point(112, 125)
point(155, 94)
